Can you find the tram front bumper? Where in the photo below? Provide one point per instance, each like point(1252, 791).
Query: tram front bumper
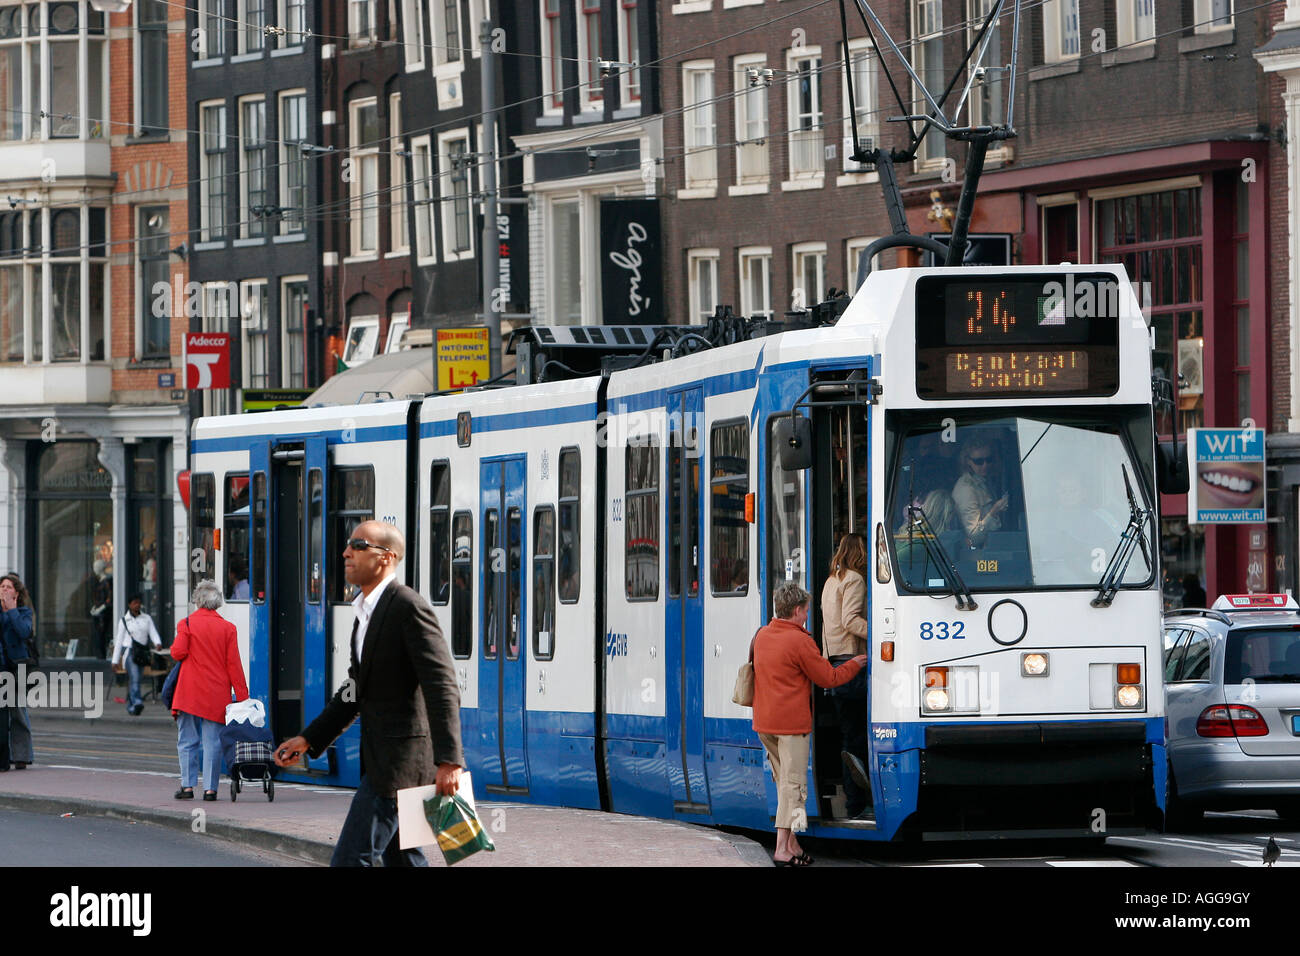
point(1033, 754)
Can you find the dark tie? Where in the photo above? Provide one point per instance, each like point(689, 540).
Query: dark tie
point(356, 658)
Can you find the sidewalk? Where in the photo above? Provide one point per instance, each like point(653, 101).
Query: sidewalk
point(303, 821)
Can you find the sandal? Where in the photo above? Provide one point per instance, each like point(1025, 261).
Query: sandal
point(804, 860)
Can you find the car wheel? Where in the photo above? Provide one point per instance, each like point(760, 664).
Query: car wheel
point(1179, 815)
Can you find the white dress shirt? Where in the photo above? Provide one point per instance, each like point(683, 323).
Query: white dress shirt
point(139, 629)
point(364, 605)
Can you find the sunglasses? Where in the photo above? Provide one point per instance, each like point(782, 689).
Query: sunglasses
point(361, 544)
point(981, 461)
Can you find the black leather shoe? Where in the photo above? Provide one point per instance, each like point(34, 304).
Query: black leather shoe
point(20, 765)
point(209, 794)
point(183, 794)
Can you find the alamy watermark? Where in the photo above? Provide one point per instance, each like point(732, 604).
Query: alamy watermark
point(69, 690)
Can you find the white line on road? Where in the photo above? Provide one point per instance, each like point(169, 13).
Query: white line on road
point(1090, 863)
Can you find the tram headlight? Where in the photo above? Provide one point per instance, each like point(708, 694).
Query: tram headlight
point(1033, 665)
point(934, 683)
point(936, 700)
point(1130, 695)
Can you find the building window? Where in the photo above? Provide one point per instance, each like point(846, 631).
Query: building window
point(854, 249)
point(809, 287)
point(756, 282)
point(543, 583)
point(446, 33)
point(12, 337)
point(1137, 21)
point(254, 207)
point(564, 254)
point(413, 29)
point(212, 30)
point(728, 529)
point(1060, 30)
point(552, 62)
point(751, 120)
point(702, 268)
point(252, 20)
point(423, 200)
point(151, 67)
point(1157, 237)
point(361, 23)
point(629, 51)
point(988, 98)
point(293, 162)
point(860, 72)
point(293, 17)
point(592, 91)
point(293, 325)
point(804, 91)
point(1213, 15)
point(399, 241)
point(456, 161)
point(363, 339)
point(212, 184)
point(569, 549)
point(155, 323)
point(254, 309)
point(42, 84)
point(641, 541)
point(699, 130)
point(364, 136)
point(927, 61)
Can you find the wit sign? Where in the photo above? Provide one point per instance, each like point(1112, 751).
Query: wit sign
point(1227, 476)
point(207, 360)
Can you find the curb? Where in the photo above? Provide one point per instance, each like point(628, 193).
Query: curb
point(306, 851)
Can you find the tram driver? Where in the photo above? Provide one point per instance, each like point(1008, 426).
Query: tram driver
point(976, 492)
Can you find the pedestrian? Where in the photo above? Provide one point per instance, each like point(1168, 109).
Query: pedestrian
point(135, 632)
point(786, 665)
point(17, 646)
point(207, 643)
point(403, 685)
point(845, 633)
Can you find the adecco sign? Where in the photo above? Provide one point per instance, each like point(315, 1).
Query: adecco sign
point(207, 360)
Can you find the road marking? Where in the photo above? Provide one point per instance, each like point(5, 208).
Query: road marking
point(1261, 862)
point(1090, 863)
point(157, 773)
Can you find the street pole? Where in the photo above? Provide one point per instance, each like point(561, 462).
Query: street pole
point(488, 148)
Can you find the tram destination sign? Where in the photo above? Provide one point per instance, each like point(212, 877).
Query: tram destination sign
point(1049, 334)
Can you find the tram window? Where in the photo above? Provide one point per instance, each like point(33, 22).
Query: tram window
point(234, 536)
point(570, 502)
point(315, 533)
point(642, 520)
point(351, 502)
point(514, 583)
point(728, 530)
point(203, 491)
point(491, 544)
point(440, 532)
point(257, 588)
point(544, 584)
point(784, 517)
point(462, 578)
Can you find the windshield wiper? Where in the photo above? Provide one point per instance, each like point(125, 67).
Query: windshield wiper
point(918, 522)
point(1132, 537)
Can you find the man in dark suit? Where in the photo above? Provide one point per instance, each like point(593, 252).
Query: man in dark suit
point(403, 685)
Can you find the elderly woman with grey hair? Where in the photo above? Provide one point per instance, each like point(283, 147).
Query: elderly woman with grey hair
point(207, 644)
point(786, 665)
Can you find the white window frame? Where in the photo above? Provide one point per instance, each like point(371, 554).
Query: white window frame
point(1203, 10)
point(479, 10)
point(551, 63)
point(931, 153)
point(443, 46)
point(798, 253)
point(399, 239)
point(591, 90)
point(867, 111)
point(205, 181)
point(810, 141)
point(246, 217)
point(699, 123)
point(360, 204)
point(424, 197)
point(852, 253)
point(1057, 39)
point(241, 38)
point(291, 39)
point(413, 33)
point(253, 325)
point(1128, 21)
point(285, 319)
point(751, 157)
point(298, 224)
point(629, 93)
point(747, 257)
point(209, 10)
point(398, 326)
point(588, 280)
point(447, 204)
point(359, 34)
point(693, 259)
point(352, 358)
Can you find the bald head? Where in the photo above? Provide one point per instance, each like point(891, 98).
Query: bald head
point(379, 548)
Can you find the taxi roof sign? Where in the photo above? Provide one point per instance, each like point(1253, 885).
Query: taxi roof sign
point(1256, 602)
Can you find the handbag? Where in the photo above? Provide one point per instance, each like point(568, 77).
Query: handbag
point(140, 655)
point(743, 693)
point(457, 827)
point(169, 685)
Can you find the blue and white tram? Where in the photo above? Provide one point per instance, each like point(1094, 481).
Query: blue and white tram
point(601, 550)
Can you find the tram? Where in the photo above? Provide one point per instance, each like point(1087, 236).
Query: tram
point(601, 548)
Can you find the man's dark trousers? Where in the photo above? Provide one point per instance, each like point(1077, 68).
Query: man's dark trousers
point(369, 833)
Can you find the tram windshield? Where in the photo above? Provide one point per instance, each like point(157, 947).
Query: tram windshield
point(1015, 502)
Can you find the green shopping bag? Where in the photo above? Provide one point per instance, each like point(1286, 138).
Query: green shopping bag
point(457, 827)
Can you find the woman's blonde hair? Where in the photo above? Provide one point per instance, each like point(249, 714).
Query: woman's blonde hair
point(851, 554)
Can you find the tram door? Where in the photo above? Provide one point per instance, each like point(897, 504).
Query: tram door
point(502, 654)
point(684, 607)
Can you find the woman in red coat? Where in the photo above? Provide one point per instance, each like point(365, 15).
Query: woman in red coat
point(207, 644)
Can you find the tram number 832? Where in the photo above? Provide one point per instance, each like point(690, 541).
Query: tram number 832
point(943, 630)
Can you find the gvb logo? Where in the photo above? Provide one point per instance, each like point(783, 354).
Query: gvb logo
point(76, 909)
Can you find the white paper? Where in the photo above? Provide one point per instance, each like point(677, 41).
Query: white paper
point(412, 827)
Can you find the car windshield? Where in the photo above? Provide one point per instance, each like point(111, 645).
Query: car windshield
point(1016, 502)
point(1262, 654)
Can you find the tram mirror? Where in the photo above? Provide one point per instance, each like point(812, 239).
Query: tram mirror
point(794, 442)
point(1172, 476)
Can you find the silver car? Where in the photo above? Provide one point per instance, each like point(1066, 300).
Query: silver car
point(1232, 693)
